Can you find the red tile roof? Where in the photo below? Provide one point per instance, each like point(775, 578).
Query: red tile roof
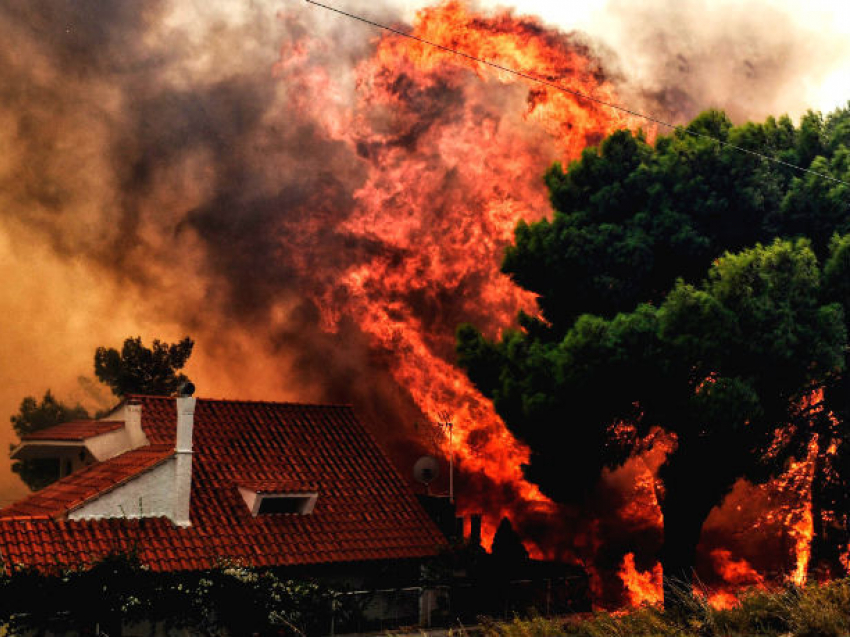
point(66, 494)
point(77, 430)
point(364, 510)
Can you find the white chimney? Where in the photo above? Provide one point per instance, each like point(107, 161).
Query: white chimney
point(133, 424)
point(183, 456)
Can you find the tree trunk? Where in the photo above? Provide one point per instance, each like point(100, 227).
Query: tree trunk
point(682, 529)
point(692, 489)
point(825, 556)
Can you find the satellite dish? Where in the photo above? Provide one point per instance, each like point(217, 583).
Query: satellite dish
point(426, 470)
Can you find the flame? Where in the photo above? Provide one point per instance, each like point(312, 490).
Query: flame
point(800, 520)
point(454, 153)
point(844, 558)
point(795, 515)
point(722, 600)
point(450, 153)
point(642, 587)
point(736, 572)
point(645, 587)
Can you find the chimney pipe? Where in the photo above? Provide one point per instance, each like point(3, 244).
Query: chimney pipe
point(133, 424)
point(183, 456)
point(475, 529)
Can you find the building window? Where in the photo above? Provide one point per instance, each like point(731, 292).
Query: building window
point(260, 503)
point(302, 504)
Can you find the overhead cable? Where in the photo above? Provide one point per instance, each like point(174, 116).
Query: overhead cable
point(585, 96)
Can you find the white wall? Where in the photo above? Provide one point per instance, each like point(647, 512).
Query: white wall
point(149, 494)
point(109, 444)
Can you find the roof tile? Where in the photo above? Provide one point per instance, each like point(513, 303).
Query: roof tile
point(76, 430)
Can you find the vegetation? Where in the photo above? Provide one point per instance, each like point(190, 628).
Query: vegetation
point(34, 416)
point(137, 369)
point(118, 590)
point(688, 287)
point(818, 610)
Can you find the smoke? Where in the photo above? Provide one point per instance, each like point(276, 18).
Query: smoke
point(752, 59)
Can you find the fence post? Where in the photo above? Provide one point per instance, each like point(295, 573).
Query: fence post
point(426, 606)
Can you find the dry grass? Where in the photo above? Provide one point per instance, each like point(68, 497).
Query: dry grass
point(818, 610)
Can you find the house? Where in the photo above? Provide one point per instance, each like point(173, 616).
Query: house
point(187, 483)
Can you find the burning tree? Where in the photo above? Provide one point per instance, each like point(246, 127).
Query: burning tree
point(633, 335)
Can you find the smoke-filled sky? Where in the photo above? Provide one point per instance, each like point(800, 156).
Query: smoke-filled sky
point(809, 42)
point(166, 169)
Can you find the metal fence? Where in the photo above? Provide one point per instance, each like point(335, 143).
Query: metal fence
point(449, 605)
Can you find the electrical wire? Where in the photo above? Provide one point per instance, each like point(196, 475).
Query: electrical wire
point(579, 94)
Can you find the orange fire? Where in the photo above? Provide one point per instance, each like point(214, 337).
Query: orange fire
point(738, 574)
point(454, 153)
point(788, 510)
point(642, 587)
point(798, 517)
point(645, 587)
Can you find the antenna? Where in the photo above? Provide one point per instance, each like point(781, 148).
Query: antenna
point(445, 420)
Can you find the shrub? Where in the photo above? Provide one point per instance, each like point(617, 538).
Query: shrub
point(534, 627)
point(228, 599)
point(818, 610)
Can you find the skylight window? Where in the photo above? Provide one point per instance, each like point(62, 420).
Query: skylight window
point(271, 503)
point(302, 504)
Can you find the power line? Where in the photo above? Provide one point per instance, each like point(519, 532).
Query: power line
point(579, 94)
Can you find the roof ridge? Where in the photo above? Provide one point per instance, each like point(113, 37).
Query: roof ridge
point(79, 420)
point(82, 429)
point(247, 401)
